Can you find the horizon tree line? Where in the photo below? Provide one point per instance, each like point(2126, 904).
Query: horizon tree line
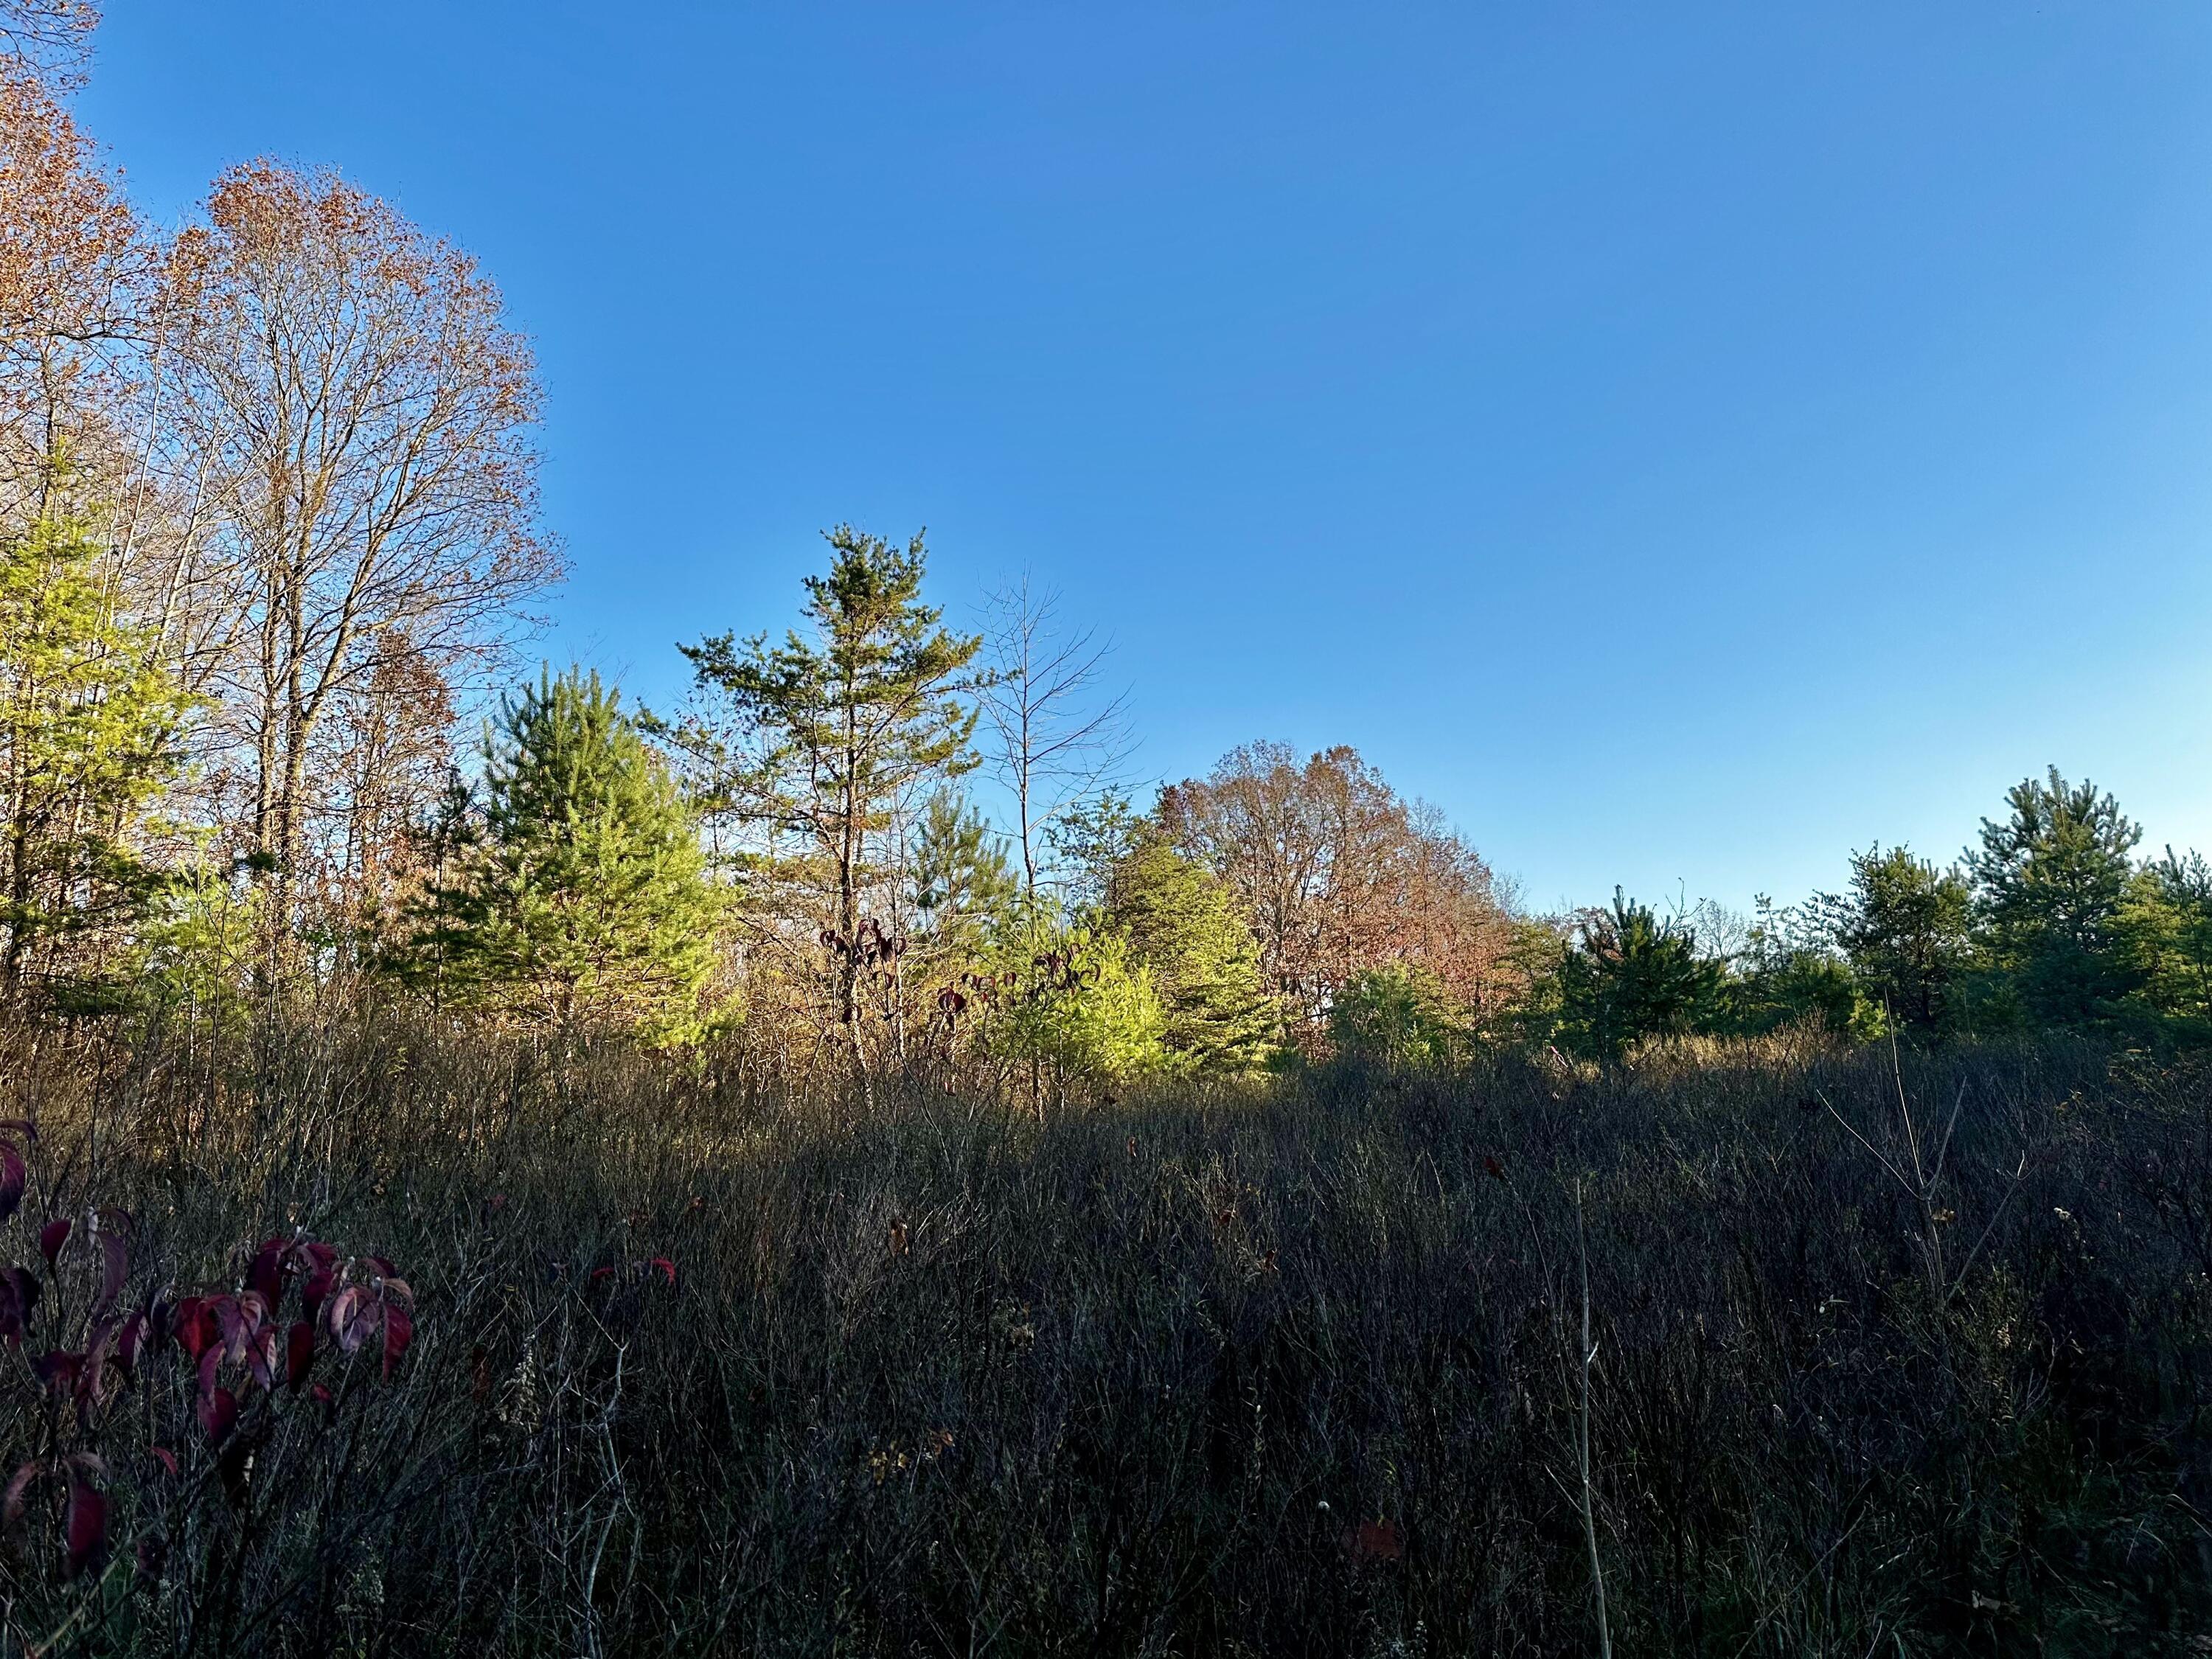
point(269, 526)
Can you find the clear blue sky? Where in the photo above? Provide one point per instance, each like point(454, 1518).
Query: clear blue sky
point(1684, 441)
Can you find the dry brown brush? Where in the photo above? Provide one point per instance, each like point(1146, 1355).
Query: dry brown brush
point(1277, 1370)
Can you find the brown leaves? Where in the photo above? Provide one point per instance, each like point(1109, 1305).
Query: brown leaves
point(1373, 1543)
point(79, 282)
point(1339, 872)
point(364, 414)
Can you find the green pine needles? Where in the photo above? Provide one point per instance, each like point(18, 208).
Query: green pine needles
point(578, 894)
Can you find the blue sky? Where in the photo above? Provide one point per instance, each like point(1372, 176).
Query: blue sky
point(1684, 442)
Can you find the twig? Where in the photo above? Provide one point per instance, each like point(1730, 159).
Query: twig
point(1583, 1436)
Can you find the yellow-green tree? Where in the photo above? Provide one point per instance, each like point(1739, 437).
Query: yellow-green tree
point(1183, 928)
point(90, 735)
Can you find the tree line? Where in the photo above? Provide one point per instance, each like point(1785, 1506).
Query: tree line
point(269, 525)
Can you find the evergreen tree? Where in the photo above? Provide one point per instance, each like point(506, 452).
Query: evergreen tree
point(1085, 1011)
point(91, 728)
point(1397, 1015)
point(845, 724)
point(1786, 974)
point(580, 895)
point(2168, 922)
point(1182, 925)
point(1906, 928)
point(2052, 881)
point(1630, 974)
point(1088, 838)
point(964, 883)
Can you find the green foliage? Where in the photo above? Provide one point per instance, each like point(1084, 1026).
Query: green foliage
point(2167, 920)
point(1628, 974)
point(1398, 1015)
point(1800, 987)
point(1085, 1011)
point(1183, 925)
point(1088, 838)
point(846, 723)
point(91, 727)
point(2052, 884)
point(579, 897)
point(200, 944)
point(964, 882)
point(1906, 929)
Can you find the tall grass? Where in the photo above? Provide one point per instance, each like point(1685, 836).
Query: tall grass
point(1280, 1370)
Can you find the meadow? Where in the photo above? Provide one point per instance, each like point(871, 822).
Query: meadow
point(1893, 1353)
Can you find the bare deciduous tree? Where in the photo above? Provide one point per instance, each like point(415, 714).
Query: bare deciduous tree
point(364, 418)
point(1051, 747)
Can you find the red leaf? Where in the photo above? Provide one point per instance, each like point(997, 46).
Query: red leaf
point(202, 1333)
point(87, 1525)
point(13, 1175)
point(114, 1257)
point(299, 1353)
point(51, 1237)
point(266, 1275)
point(26, 1293)
point(218, 1414)
point(95, 1360)
point(667, 1268)
point(316, 1287)
point(599, 1273)
point(1378, 1541)
point(346, 1323)
point(261, 1357)
point(398, 1332)
point(127, 1344)
point(19, 1484)
point(166, 1458)
point(58, 1370)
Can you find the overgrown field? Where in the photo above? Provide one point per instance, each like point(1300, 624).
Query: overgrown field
point(1289, 1370)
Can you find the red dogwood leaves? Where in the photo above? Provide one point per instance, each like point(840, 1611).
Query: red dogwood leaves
point(241, 1345)
point(380, 1306)
point(84, 1525)
point(15, 1175)
point(85, 1508)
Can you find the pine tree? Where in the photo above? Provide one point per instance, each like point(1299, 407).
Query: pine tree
point(2052, 884)
point(1630, 974)
point(1082, 1010)
point(91, 729)
point(1907, 930)
point(1399, 1014)
point(2168, 921)
point(1183, 927)
point(579, 896)
point(849, 722)
point(964, 879)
